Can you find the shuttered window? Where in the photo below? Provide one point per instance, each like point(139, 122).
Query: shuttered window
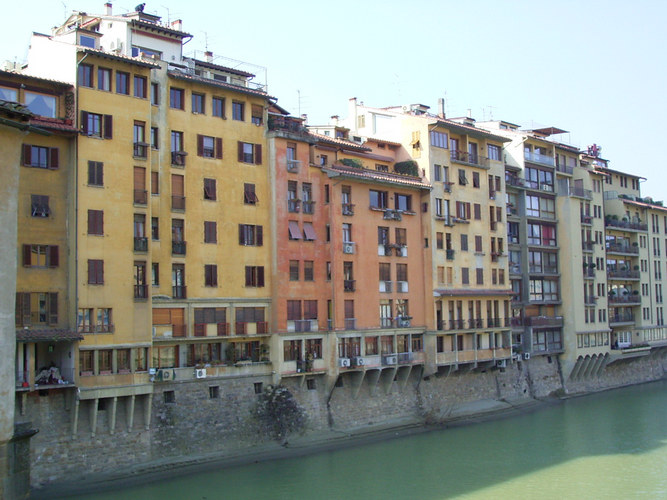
point(210, 232)
point(40, 157)
point(210, 275)
point(95, 272)
point(96, 222)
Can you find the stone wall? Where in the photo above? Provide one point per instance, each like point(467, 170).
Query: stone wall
point(191, 418)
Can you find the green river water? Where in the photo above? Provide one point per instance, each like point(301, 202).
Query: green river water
point(608, 445)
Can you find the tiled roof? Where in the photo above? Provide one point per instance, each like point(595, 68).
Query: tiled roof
point(117, 57)
point(206, 64)
point(383, 141)
point(160, 27)
point(643, 204)
point(449, 292)
point(15, 109)
point(33, 77)
point(244, 90)
point(47, 335)
point(344, 143)
point(377, 176)
point(53, 123)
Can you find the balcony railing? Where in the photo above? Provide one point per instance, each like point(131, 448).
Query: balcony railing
point(308, 207)
point(140, 196)
point(581, 193)
point(539, 186)
point(474, 323)
point(202, 329)
point(140, 244)
point(456, 324)
point(177, 202)
point(586, 219)
point(622, 274)
point(290, 124)
point(140, 291)
point(140, 149)
point(350, 323)
point(246, 328)
point(178, 247)
point(349, 285)
point(348, 209)
point(293, 205)
point(544, 321)
point(469, 158)
point(109, 328)
point(622, 248)
point(626, 317)
point(293, 166)
point(450, 254)
point(534, 157)
point(630, 299)
point(515, 181)
point(564, 169)
point(625, 224)
point(178, 158)
point(587, 246)
point(493, 322)
point(179, 292)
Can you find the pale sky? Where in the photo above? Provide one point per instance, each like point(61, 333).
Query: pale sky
point(595, 68)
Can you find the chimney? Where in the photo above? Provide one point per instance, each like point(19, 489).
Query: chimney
point(108, 8)
point(469, 113)
point(334, 120)
point(304, 117)
point(177, 25)
point(441, 108)
point(209, 56)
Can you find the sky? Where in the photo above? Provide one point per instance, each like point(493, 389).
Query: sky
point(594, 68)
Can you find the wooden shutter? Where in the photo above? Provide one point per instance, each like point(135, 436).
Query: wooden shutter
point(248, 276)
point(200, 145)
point(53, 158)
point(260, 236)
point(84, 122)
point(53, 308)
point(54, 257)
point(22, 309)
point(27, 253)
point(240, 151)
point(241, 234)
point(176, 185)
point(139, 179)
point(155, 183)
point(218, 148)
point(161, 316)
point(258, 154)
point(260, 275)
point(27, 155)
point(108, 127)
point(467, 207)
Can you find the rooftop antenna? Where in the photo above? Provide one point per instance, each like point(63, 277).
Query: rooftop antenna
point(206, 40)
point(491, 108)
point(64, 9)
point(298, 93)
point(168, 15)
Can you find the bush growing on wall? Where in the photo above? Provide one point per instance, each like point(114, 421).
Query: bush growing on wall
point(407, 168)
point(278, 414)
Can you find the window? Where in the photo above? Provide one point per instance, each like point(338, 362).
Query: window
point(477, 211)
point(86, 75)
point(155, 94)
point(238, 111)
point(177, 153)
point(249, 196)
point(95, 173)
point(176, 98)
point(140, 145)
point(403, 202)
point(40, 157)
point(140, 87)
point(478, 244)
point(250, 153)
point(155, 274)
point(39, 205)
point(438, 140)
point(463, 210)
point(95, 272)
point(218, 105)
point(210, 232)
point(464, 242)
point(198, 101)
point(250, 235)
point(465, 278)
point(254, 276)
point(210, 192)
point(122, 83)
point(439, 241)
point(480, 275)
point(494, 152)
point(155, 136)
point(104, 79)
point(347, 233)
point(96, 222)
point(401, 272)
point(96, 125)
point(140, 193)
point(294, 271)
point(308, 270)
point(475, 179)
point(209, 147)
point(401, 236)
point(155, 228)
point(210, 275)
point(257, 117)
point(41, 104)
point(462, 177)
point(378, 199)
point(40, 256)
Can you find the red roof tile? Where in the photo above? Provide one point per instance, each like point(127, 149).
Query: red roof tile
point(378, 176)
point(47, 335)
point(448, 292)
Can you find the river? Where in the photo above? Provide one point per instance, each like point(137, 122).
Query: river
point(607, 445)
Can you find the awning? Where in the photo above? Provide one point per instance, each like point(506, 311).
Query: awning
point(309, 231)
point(294, 231)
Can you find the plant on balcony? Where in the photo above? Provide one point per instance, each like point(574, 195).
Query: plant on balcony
point(230, 354)
point(352, 162)
point(264, 352)
point(593, 265)
point(635, 292)
point(408, 167)
point(277, 414)
point(585, 265)
point(636, 268)
point(635, 244)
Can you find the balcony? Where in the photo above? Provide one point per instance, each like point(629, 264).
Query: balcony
point(140, 150)
point(385, 286)
point(177, 202)
point(179, 292)
point(515, 181)
point(293, 205)
point(543, 269)
point(140, 197)
point(549, 188)
point(349, 285)
point(140, 244)
point(587, 246)
point(287, 123)
point(386, 322)
point(625, 317)
point(586, 219)
point(515, 268)
point(543, 321)
point(109, 328)
point(622, 274)
point(493, 322)
point(350, 323)
point(564, 169)
point(631, 299)
point(348, 209)
point(589, 272)
point(492, 194)
point(468, 158)
point(622, 248)
point(450, 254)
point(141, 292)
point(578, 192)
point(293, 166)
point(251, 328)
point(447, 186)
point(178, 247)
point(475, 323)
point(348, 247)
point(590, 300)
point(538, 158)
point(211, 329)
point(625, 224)
point(456, 324)
point(405, 357)
point(178, 158)
point(309, 207)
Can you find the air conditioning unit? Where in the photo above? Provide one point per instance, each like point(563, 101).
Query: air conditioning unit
point(348, 247)
point(546, 187)
point(200, 372)
point(402, 286)
point(501, 363)
point(164, 375)
point(344, 362)
point(389, 360)
point(526, 355)
point(358, 361)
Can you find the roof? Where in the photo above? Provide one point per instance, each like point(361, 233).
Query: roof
point(159, 27)
point(365, 174)
point(117, 57)
point(179, 75)
point(450, 292)
point(47, 335)
point(383, 141)
point(64, 125)
point(643, 204)
point(206, 64)
point(344, 143)
point(35, 78)
point(468, 129)
point(548, 131)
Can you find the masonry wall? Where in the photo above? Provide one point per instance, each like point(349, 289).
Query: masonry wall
point(195, 420)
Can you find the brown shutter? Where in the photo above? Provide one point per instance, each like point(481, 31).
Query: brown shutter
point(260, 236)
point(240, 151)
point(258, 154)
point(260, 275)
point(54, 256)
point(53, 308)
point(241, 235)
point(27, 155)
point(218, 148)
point(155, 183)
point(176, 185)
point(27, 252)
point(84, 122)
point(108, 127)
point(53, 158)
point(139, 179)
point(200, 145)
point(91, 225)
point(248, 276)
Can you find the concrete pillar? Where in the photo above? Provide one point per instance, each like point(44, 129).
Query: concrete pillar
point(93, 416)
point(147, 410)
point(75, 417)
point(112, 417)
point(130, 412)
